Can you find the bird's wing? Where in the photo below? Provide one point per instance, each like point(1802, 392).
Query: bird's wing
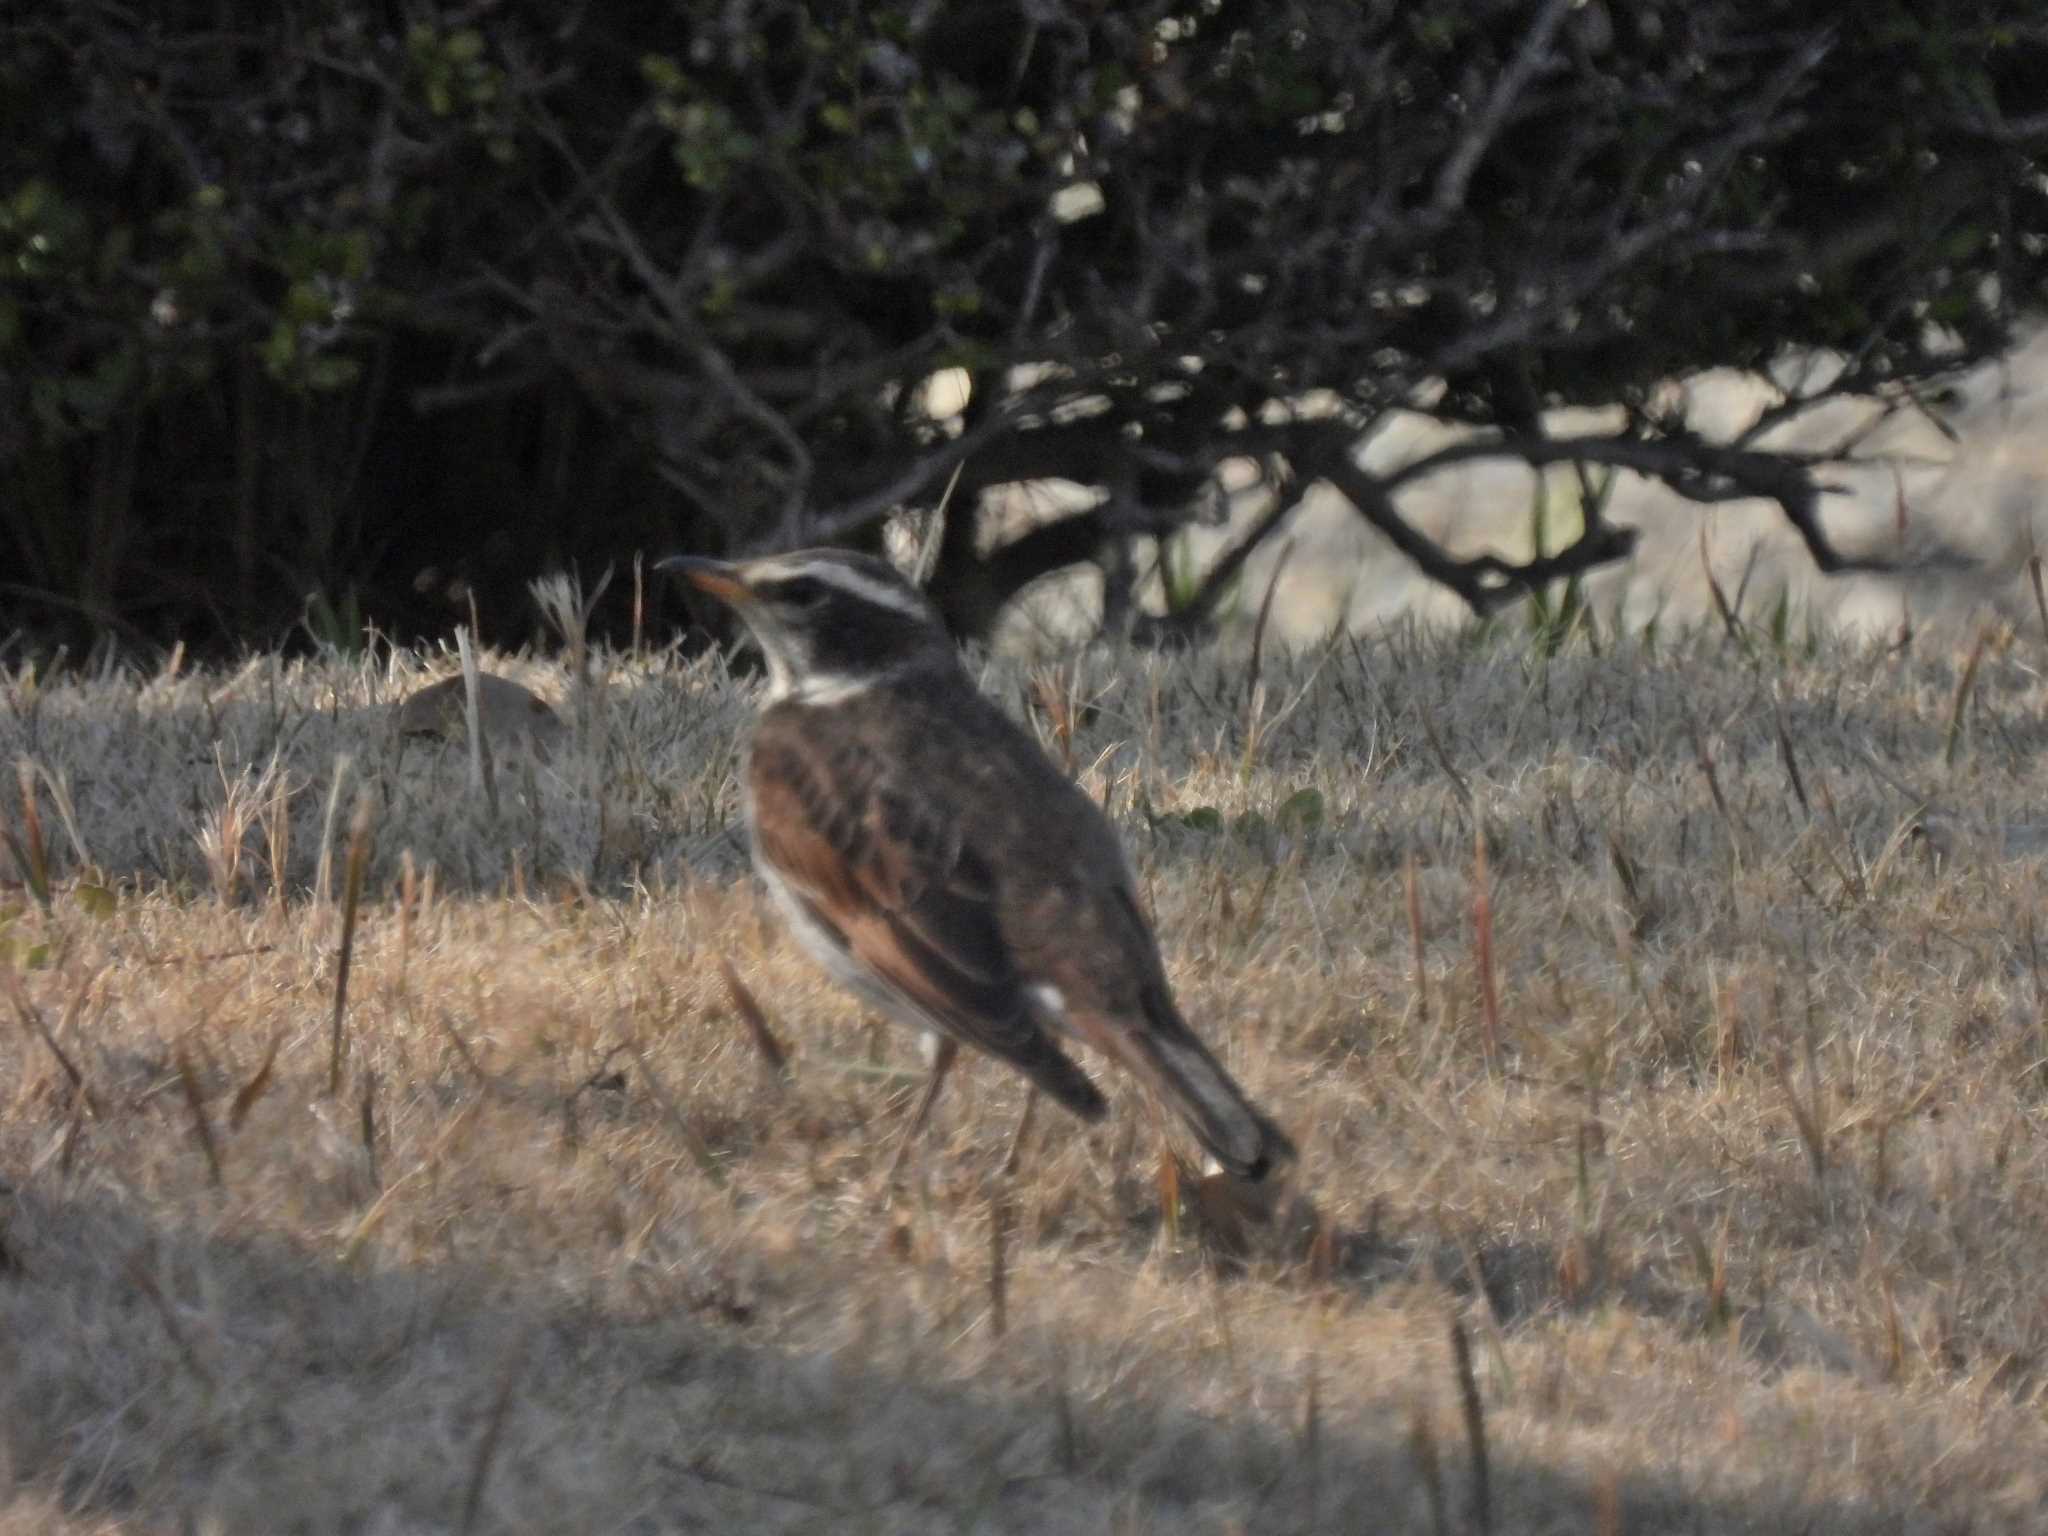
point(883, 868)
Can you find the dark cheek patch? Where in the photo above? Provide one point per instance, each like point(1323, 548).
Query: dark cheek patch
point(845, 637)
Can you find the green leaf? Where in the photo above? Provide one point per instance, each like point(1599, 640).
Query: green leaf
point(1204, 818)
point(661, 72)
point(280, 347)
point(96, 900)
point(332, 372)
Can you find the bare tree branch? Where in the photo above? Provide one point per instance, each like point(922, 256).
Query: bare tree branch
point(1464, 160)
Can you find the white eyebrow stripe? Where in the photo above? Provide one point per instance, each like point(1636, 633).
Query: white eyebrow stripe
point(881, 593)
point(828, 688)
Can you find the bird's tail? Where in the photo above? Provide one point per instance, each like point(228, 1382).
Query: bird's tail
point(1181, 1070)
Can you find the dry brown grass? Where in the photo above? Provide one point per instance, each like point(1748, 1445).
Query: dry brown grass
point(1743, 1223)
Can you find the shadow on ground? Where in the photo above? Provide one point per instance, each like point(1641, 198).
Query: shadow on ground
point(169, 1378)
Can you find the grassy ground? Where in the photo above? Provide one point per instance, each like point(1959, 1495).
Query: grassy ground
point(1736, 1195)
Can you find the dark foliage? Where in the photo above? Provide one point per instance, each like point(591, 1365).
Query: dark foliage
point(324, 310)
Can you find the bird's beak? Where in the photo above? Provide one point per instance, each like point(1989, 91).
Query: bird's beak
point(720, 578)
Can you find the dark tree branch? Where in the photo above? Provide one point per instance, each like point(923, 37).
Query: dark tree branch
point(1486, 583)
point(1487, 124)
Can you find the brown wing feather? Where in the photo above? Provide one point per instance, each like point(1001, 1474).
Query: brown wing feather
point(885, 873)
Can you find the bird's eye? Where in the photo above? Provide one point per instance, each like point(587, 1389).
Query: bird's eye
point(801, 592)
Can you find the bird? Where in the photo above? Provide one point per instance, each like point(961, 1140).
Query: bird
point(926, 851)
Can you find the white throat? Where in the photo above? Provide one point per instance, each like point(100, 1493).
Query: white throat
point(817, 687)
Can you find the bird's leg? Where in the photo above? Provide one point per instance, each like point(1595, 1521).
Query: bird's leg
point(1023, 1130)
point(942, 1058)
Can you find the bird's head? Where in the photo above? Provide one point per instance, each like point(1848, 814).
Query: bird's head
point(828, 621)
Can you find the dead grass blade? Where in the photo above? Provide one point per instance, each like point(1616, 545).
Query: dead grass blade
point(251, 1091)
point(482, 771)
point(1015, 1157)
point(35, 859)
point(369, 1125)
point(323, 875)
point(1706, 762)
point(1727, 1031)
point(2040, 594)
point(1410, 880)
point(202, 1128)
point(1728, 621)
point(1168, 1181)
point(1422, 1446)
point(462, 1049)
point(1252, 663)
point(33, 1021)
point(408, 900)
point(1785, 751)
point(1607, 1503)
point(638, 652)
point(1630, 879)
point(493, 1433)
point(145, 1282)
point(773, 1057)
point(1805, 1116)
point(700, 1153)
point(1894, 1333)
point(1312, 1425)
point(1482, 950)
point(74, 1128)
point(998, 1261)
point(1475, 1428)
point(1443, 758)
point(352, 897)
point(1965, 685)
point(373, 1218)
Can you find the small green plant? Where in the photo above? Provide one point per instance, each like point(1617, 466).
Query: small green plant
point(1556, 614)
point(336, 626)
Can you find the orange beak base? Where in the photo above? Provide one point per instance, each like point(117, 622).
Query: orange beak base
point(719, 578)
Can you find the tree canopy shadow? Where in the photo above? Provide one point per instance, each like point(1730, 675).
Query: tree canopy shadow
point(159, 1374)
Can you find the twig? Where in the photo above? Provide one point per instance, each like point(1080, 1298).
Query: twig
point(1422, 1446)
point(1785, 751)
point(1960, 707)
point(352, 896)
point(32, 1020)
point(369, 1126)
point(1449, 195)
point(772, 1054)
point(700, 1153)
point(482, 771)
point(1251, 670)
point(1475, 1428)
point(1443, 758)
point(251, 1091)
point(201, 1128)
point(1482, 944)
point(1015, 1158)
point(1410, 880)
point(998, 1261)
point(145, 1282)
point(462, 1049)
point(494, 1431)
point(1728, 621)
point(2040, 595)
